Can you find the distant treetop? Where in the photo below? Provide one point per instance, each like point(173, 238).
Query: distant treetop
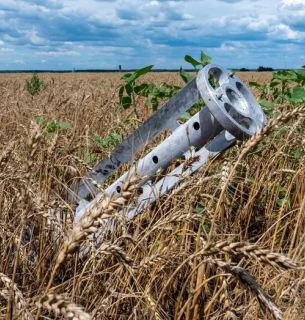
point(264, 69)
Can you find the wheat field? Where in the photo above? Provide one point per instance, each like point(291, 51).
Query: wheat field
point(227, 243)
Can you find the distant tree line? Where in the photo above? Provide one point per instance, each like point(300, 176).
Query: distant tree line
point(261, 68)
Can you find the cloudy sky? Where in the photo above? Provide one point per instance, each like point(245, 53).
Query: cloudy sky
point(101, 34)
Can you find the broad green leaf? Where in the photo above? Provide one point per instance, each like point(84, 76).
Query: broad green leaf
point(127, 77)
point(300, 74)
point(284, 76)
point(121, 92)
point(89, 158)
point(298, 93)
point(256, 84)
point(192, 61)
point(126, 102)
point(303, 67)
point(163, 88)
point(152, 89)
point(273, 84)
point(205, 59)
point(185, 76)
point(280, 202)
point(147, 102)
point(64, 125)
point(266, 104)
point(116, 137)
point(40, 121)
point(129, 89)
point(155, 104)
point(142, 71)
point(97, 139)
point(141, 89)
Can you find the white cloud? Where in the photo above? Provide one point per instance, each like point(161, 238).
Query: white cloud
point(1, 43)
point(57, 53)
point(283, 32)
point(19, 61)
point(7, 50)
point(291, 5)
point(43, 61)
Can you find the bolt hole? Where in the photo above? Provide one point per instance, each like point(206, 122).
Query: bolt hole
point(118, 189)
point(196, 125)
point(155, 159)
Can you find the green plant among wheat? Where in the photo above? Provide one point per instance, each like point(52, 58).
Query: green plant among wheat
point(34, 85)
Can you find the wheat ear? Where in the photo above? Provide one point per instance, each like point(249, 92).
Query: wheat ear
point(264, 299)
point(20, 302)
point(60, 305)
point(252, 252)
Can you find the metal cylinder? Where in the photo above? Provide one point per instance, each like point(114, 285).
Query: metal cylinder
point(231, 113)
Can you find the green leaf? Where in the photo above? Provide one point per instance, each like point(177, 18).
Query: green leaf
point(185, 76)
point(300, 74)
point(97, 139)
point(192, 61)
point(89, 158)
point(121, 92)
point(163, 88)
point(273, 84)
point(40, 121)
point(284, 76)
point(141, 89)
point(205, 59)
point(298, 93)
point(148, 102)
point(185, 116)
point(303, 67)
point(155, 104)
point(116, 137)
point(126, 102)
point(256, 84)
point(127, 77)
point(280, 202)
point(64, 125)
point(129, 89)
point(142, 71)
point(266, 104)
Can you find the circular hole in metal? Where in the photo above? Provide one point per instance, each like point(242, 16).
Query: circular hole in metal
point(237, 100)
point(254, 105)
point(243, 91)
point(196, 125)
point(245, 122)
point(118, 189)
point(155, 159)
point(217, 77)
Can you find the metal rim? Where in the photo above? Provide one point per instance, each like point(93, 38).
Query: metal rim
point(232, 103)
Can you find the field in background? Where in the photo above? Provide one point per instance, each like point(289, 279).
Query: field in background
point(250, 206)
